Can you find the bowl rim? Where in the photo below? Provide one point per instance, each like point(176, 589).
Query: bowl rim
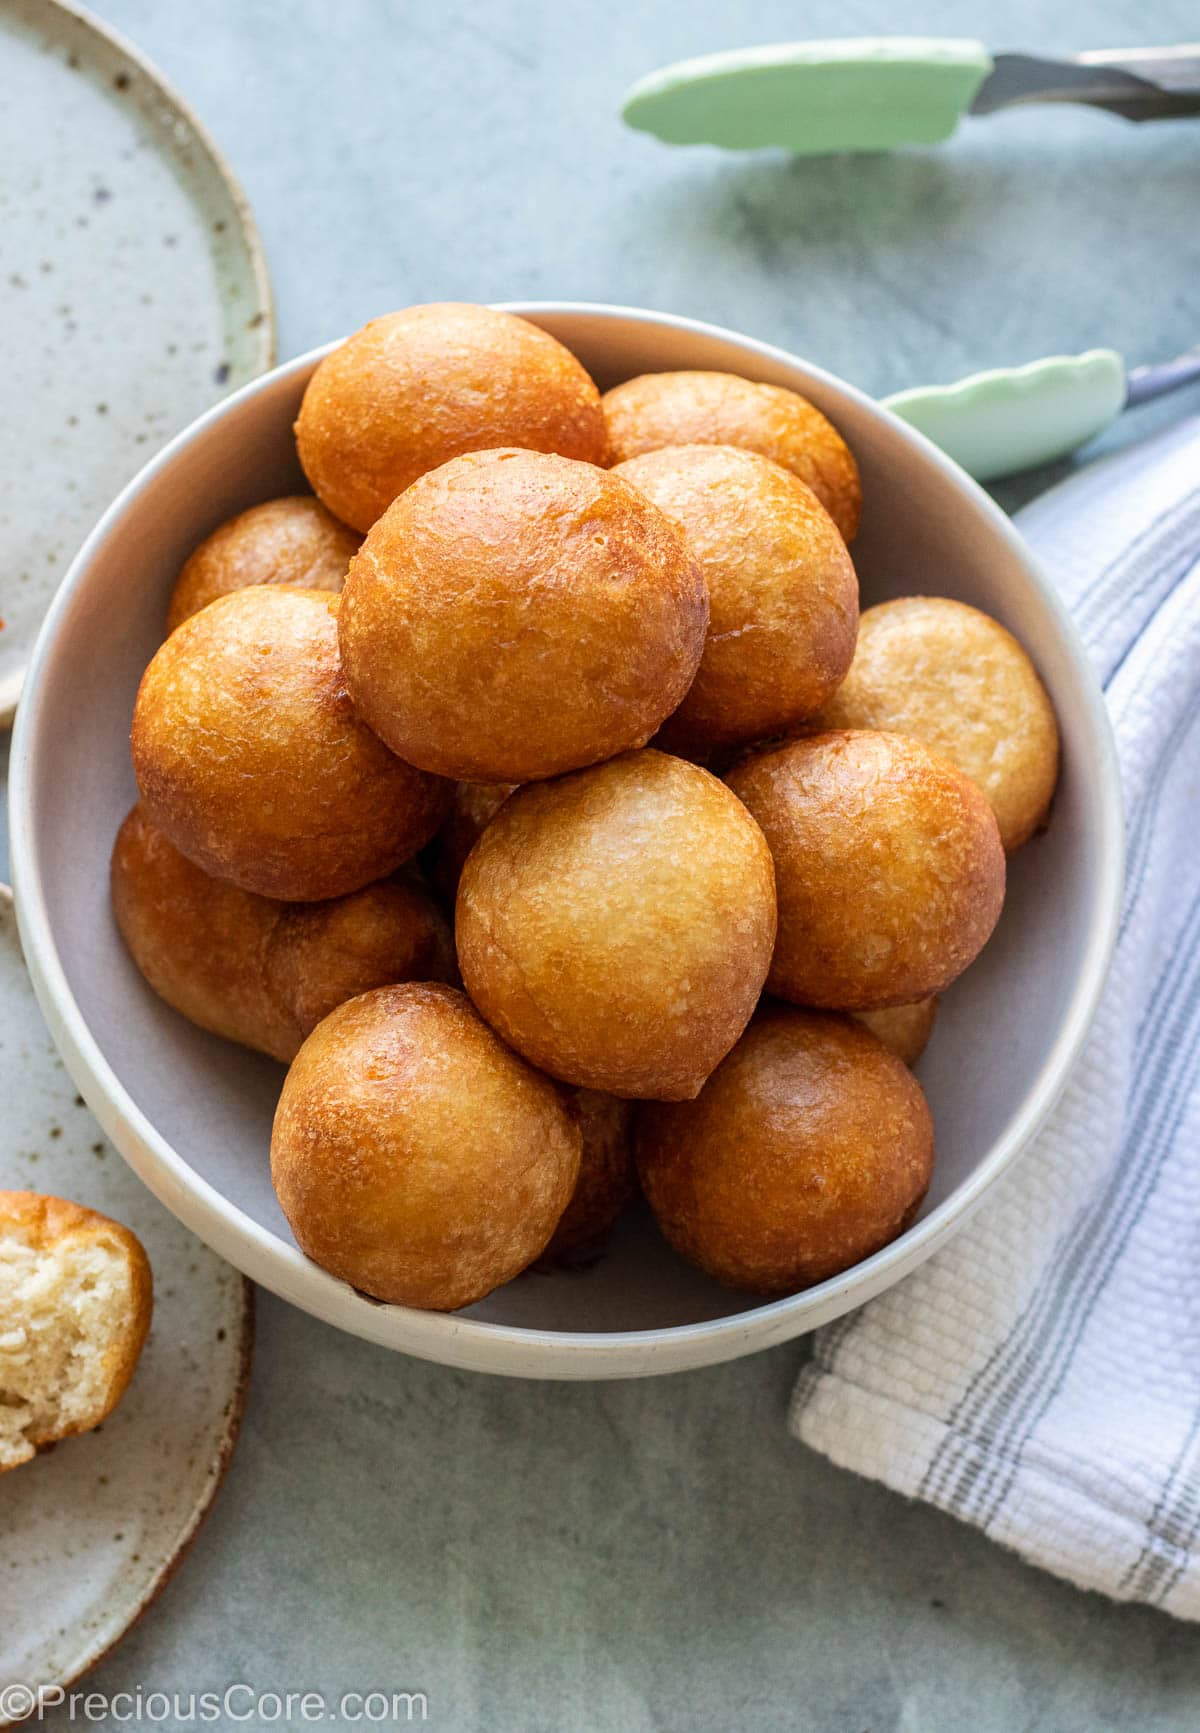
point(520, 1350)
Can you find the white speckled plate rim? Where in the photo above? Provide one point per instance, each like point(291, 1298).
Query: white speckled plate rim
point(208, 151)
point(160, 1505)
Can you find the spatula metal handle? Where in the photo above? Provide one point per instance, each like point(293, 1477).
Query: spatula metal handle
point(1135, 83)
point(1146, 383)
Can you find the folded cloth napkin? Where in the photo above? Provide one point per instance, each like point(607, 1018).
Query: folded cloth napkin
point(1040, 1377)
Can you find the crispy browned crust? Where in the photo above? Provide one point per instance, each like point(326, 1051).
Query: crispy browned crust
point(261, 972)
point(283, 541)
point(615, 925)
point(903, 1029)
point(249, 757)
point(954, 678)
point(888, 866)
point(807, 1150)
point(416, 388)
point(517, 614)
point(696, 408)
point(783, 595)
point(607, 1178)
point(473, 806)
point(46, 1222)
point(321, 954)
point(414, 1155)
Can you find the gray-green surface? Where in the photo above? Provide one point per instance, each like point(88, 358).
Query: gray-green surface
point(654, 1555)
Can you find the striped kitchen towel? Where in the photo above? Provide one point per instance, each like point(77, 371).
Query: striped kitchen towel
point(1040, 1376)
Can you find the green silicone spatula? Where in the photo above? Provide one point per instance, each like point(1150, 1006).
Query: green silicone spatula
point(1012, 418)
point(872, 93)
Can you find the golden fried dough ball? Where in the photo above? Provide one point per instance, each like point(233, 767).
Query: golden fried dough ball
point(888, 866)
point(783, 597)
point(607, 1178)
point(615, 925)
point(903, 1029)
point(322, 954)
point(284, 541)
point(261, 972)
point(416, 388)
point(689, 408)
point(414, 1155)
point(514, 615)
point(808, 1149)
point(199, 942)
point(473, 806)
point(250, 758)
point(954, 678)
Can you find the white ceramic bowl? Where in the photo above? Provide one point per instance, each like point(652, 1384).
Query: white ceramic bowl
point(192, 1114)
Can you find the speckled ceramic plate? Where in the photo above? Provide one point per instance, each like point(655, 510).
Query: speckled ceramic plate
point(133, 291)
point(91, 1530)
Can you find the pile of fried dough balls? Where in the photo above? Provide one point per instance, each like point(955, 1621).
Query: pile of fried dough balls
point(431, 809)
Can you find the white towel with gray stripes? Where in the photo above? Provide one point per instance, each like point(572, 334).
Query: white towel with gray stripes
point(1040, 1376)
